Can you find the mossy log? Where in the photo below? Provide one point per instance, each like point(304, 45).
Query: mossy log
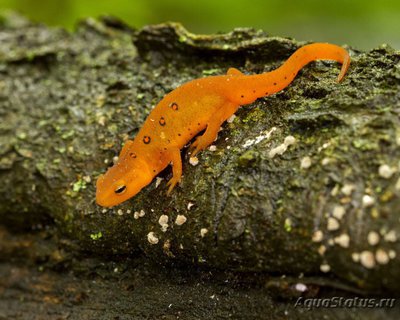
point(328, 206)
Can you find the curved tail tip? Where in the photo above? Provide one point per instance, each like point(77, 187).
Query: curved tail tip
point(345, 67)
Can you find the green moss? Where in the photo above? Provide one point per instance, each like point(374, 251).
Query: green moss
point(68, 134)
point(211, 72)
point(364, 144)
point(96, 236)
point(288, 225)
point(247, 158)
point(79, 185)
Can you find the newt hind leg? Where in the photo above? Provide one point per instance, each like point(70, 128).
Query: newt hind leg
point(213, 125)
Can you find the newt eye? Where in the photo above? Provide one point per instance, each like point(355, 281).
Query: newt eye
point(120, 189)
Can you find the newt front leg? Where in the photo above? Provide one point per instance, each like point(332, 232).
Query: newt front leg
point(175, 155)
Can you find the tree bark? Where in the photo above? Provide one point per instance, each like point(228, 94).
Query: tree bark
point(327, 207)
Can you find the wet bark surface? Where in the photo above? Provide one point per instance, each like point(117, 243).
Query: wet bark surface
point(326, 210)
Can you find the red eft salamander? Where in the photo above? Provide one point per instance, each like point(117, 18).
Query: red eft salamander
point(199, 104)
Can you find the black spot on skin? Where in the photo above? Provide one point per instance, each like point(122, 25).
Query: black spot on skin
point(198, 123)
point(162, 121)
point(285, 77)
point(179, 134)
point(132, 155)
point(165, 149)
point(242, 96)
point(274, 83)
point(154, 170)
point(254, 91)
point(146, 139)
point(266, 93)
point(174, 106)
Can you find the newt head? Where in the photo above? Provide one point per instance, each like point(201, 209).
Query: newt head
point(121, 182)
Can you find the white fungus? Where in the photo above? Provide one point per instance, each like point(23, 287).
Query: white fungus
point(190, 205)
point(317, 236)
point(390, 236)
point(194, 161)
point(158, 181)
point(355, 256)
point(139, 214)
point(381, 256)
point(335, 190)
point(278, 150)
point(203, 232)
point(212, 148)
point(163, 222)
point(367, 259)
point(163, 219)
point(385, 171)
point(348, 189)
point(301, 287)
point(373, 238)
point(338, 212)
point(333, 224)
point(120, 212)
point(231, 118)
point(258, 139)
point(180, 219)
point(152, 238)
point(289, 140)
point(321, 250)
point(101, 120)
point(343, 240)
point(325, 267)
point(392, 254)
point(325, 161)
point(324, 146)
point(305, 162)
point(367, 201)
point(397, 186)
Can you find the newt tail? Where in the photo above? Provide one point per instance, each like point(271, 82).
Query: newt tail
point(260, 85)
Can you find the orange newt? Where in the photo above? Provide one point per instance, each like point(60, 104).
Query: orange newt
point(199, 104)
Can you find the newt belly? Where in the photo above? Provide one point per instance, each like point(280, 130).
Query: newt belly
point(199, 104)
